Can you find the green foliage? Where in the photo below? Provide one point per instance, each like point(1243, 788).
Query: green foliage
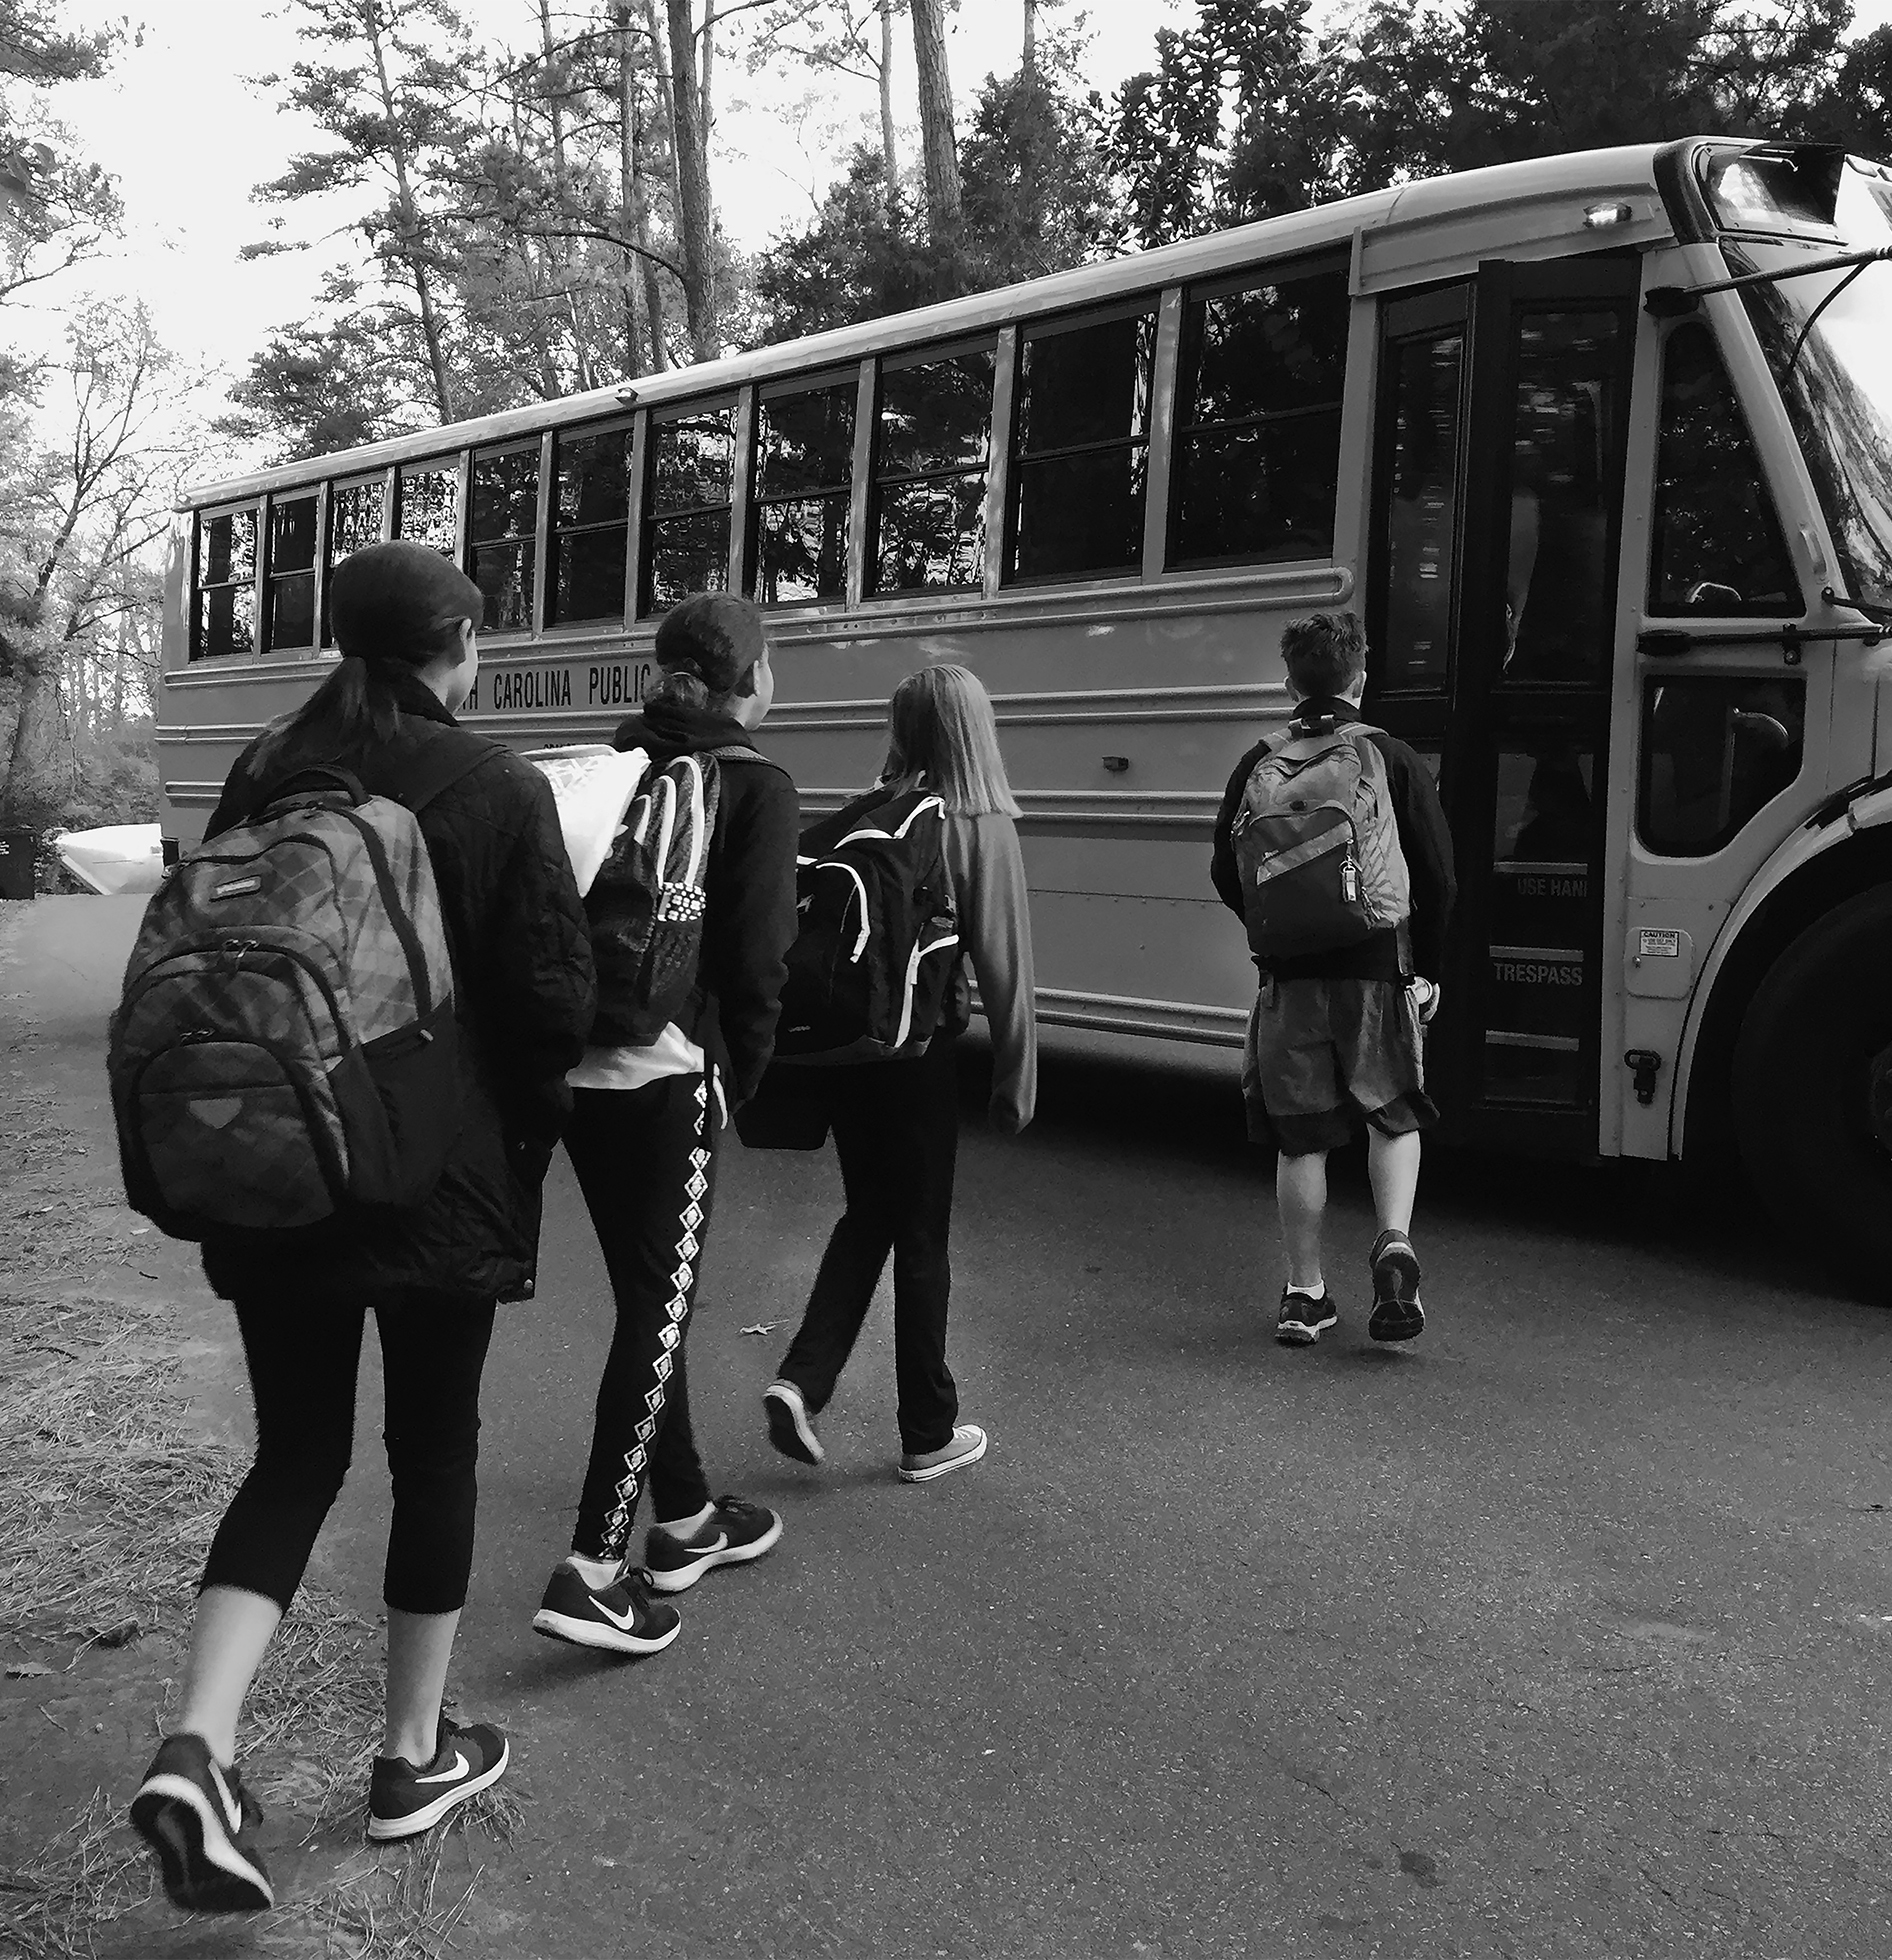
point(1251, 112)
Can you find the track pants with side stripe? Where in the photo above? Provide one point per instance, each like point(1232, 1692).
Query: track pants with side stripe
point(646, 1162)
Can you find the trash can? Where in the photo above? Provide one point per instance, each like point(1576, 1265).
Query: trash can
point(18, 850)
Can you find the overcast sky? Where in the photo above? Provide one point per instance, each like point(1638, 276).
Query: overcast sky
point(188, 133)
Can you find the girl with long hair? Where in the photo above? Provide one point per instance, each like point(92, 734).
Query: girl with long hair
point(896, 1123)
point(405, 620)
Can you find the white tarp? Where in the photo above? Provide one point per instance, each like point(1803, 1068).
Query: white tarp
point(122, 858)
point(592, 785)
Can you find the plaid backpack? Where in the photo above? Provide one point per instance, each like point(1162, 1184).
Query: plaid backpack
point(872, 959)
point(1317, 844)
point(285, 1053)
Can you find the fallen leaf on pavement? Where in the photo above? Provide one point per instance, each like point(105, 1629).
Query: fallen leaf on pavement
point(763, 1327)
point(27, 1670)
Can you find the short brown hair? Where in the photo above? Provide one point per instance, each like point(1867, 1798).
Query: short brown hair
point(1324, 653)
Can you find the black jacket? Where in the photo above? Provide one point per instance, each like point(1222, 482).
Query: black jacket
point(1423, 837)
point(524, 996)
point(749, 883)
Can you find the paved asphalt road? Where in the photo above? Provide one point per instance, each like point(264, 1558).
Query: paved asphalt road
point(1563, 1633)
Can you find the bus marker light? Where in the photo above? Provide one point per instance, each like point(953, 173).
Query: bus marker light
point(1599, 217)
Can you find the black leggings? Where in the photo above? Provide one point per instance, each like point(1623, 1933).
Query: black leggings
point(303, 1364)
point(646, 1162)
point(896, 1132)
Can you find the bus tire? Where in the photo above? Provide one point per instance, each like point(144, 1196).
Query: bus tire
point(1813, 1089)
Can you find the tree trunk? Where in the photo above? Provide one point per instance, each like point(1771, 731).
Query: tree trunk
point(709, 61)
point(118, 677)
point(560, 255)
point(1028, 65)
point(689, 139)
point(889, 156)
point(31, 738)
point(630, 289)
point(939, 150)
point(412, 231)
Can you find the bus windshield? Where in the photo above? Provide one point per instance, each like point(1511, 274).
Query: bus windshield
point(1838, 385)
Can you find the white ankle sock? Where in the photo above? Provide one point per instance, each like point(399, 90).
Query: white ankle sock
point(690, 1526)
point(1318, 1291)
point(597, 1573)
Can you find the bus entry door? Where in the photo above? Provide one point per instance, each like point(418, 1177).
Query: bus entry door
point(1496, 516)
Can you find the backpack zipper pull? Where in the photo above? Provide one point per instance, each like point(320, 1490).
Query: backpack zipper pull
point(1349, 879)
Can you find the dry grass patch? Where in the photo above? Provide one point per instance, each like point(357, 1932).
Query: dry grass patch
point(108, 1499)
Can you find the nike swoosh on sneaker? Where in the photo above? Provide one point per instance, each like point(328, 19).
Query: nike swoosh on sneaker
point(703, 1551)
point(624, 1622)
point(232, 1810)
point(459, 1769)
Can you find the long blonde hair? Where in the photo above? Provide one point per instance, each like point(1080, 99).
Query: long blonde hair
point(940, 727)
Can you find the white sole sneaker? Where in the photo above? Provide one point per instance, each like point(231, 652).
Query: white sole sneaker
point(791, 1428)
point(967, 1447)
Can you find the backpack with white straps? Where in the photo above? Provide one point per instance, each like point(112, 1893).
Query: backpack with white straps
point(877, 941)
point(285, 1055)
point(647, 902)
point(1316, 844)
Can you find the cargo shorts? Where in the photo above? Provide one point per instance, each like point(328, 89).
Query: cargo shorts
point(1324, 1056)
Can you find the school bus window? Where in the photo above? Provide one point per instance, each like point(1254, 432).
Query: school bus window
point(356, 514)
point(933, 448)
point(590, 527)
point(1713, 752)
point(1257, 468)
point(426, 508)
point(686, 528)
point(226, 585)
point(1079, 478)
point(290, 619)
point(502, 523)
point(1717, 546)
point(804, 465)
point(1425, 381)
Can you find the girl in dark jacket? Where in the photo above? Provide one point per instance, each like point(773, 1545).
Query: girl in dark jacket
point(643, 1139)
point(404, 618)
point(896, 1124)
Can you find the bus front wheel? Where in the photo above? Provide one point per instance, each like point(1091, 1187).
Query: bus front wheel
point(1813, 1088)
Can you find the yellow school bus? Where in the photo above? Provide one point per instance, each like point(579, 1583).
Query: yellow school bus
point(1601, 448)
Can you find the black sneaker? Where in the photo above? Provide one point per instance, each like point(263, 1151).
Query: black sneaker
point(622, 1618)
point(1303, 1319)
point(201, 1822)
point(791, 1427)
point(740, 1531)
point(1397, 1314)
point(403, 1801)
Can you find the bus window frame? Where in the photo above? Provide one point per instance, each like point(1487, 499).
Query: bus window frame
point(1049, 326)
point(631, 424)
point(208, 514)
point(644, 461)
point(509, 636)
point(1167, 407)
point(293, 494)
point(749, 467)
point(1765, 476)
point(874, 370)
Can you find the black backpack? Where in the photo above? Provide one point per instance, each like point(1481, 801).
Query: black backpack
point(874, 954)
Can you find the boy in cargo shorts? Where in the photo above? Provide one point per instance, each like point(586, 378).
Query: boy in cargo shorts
point(1337, 1038)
